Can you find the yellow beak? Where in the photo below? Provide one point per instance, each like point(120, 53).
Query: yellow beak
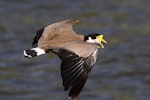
point(100, 40)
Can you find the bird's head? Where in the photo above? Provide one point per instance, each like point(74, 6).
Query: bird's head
point(95, 38)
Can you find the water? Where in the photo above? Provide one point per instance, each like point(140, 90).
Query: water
point(122, 71)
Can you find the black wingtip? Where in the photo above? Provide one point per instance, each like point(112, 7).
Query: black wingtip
point(37, 37)
point(72, 98)
point(78, 86)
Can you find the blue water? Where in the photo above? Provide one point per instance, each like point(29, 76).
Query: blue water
point(122, 70)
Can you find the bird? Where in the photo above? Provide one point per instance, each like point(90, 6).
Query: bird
point(78, 53)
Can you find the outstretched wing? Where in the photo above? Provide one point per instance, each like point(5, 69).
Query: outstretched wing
point(53, 34)
point(75, 70)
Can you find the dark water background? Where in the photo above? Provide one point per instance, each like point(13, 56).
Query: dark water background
point(122, 71)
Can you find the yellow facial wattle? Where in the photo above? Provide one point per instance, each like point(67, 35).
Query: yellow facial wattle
point(100, 40)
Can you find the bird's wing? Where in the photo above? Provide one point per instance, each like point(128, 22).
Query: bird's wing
point(75, 69)
point(37, 37)
point(54, 33)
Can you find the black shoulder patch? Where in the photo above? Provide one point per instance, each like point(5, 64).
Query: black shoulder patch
point(37, 37)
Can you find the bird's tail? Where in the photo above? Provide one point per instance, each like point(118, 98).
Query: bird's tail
point(33, 52)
